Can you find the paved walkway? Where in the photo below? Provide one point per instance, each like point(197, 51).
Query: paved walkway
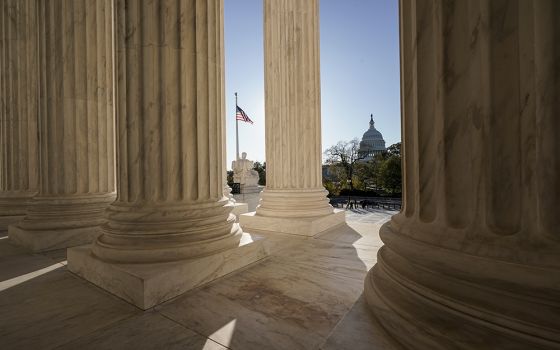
point(369, 215)
point(305, 295)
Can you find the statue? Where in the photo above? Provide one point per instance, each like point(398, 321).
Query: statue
point(243, 172)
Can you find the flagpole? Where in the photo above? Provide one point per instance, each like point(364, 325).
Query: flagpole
point(236, 130)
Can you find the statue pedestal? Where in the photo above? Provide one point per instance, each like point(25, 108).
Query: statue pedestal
point(251, 198)
point(245, 189)
point(240, 208)
point(245, 175)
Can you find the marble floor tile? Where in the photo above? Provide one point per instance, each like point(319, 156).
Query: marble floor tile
point(239, 327)
point(148, 331)
point(8, 248)
point(369, 216)
point(273, 305)
point(277, 278)
point(302, 297)
point(359, 330)
point(331, 257)
point(54, 308)
point(17, 261)
point(276, 242)
point(349, 233)
point(58, 255)
point(356, 234)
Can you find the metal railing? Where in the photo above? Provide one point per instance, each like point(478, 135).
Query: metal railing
point(366, 202)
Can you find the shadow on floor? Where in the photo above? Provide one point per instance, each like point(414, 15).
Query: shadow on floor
point(306, 295)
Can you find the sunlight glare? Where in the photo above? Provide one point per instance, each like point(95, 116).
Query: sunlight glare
point(222, 335)
point(24, 278)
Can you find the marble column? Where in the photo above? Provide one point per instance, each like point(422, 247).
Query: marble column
point(18, 108)
point(294, 200)
point(76, 132)
point(171, 228)
point(473, 259)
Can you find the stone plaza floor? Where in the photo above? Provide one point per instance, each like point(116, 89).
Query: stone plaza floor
point(305, 295)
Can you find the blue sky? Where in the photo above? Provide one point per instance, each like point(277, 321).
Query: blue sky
point(359, 71)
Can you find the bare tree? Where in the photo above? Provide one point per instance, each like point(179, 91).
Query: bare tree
point(344, 155)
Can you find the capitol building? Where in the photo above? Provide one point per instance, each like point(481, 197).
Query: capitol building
point(372, 142)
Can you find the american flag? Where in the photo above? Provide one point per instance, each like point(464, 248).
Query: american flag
point(241, 115)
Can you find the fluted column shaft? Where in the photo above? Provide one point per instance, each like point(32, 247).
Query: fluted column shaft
point(170, 202)
point(18, 108)
point(477, 241)
point(293, 111)
point(76, 118)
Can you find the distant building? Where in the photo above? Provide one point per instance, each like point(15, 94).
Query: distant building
point(372, 142)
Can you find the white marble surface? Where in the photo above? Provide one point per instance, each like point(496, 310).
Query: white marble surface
point(45, 240)
point(473, 260)
point(16, 262)
point(292, 95)
point(146, 285)
point(239, 208)
point(304, 226)
point(252, 199)
point(76, 129)
point(170, 181)
point(297, 299)
point(171, 228)
point(330, 257)
point(19, 167)
point(276, 305)
point(356, 233)
point(54, 308)
point(148, 331)
point(294, 188)
point(359, 330)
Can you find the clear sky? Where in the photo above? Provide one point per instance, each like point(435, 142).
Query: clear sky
point(359, 71)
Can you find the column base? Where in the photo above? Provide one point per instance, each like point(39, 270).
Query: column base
point(307, 226)
point(430, 297)
point(8, 220)
point(13, 207)
point(61, 222)
point(147, 285)
point(45, 240)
